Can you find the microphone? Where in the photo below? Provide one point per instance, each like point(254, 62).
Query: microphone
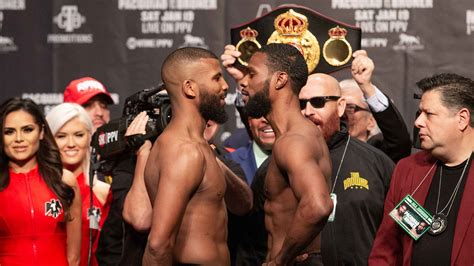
point(93, 219)
point(94, 166)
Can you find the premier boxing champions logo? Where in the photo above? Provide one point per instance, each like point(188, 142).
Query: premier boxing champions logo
point(52, 208)
point(107, 138)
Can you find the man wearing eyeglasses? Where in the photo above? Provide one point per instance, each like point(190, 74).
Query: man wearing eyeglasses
point(360, 177)
point(371, 116)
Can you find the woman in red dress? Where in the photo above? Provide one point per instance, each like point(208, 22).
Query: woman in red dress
point(72, 129)
point(40, 204)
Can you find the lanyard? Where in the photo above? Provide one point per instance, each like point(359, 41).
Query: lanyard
point(340, 164)
point(423, 180)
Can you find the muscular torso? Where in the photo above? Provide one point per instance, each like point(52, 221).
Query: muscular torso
point(202, 234)
point(281, 202)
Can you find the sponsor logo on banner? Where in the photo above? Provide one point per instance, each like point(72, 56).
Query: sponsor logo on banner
point(142, 4)
point(7, 44)
point(469, 22)
point(167, 4)
point(69, 19)
point(48, 100)
point(175, 18)
point(44, 98)
point(193, 41)
point(12, 5)
point(134, 43)
point(408, 42)
point(386, 23)
point(374, 42)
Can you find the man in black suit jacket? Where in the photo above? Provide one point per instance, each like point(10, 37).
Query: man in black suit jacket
point(371, 116)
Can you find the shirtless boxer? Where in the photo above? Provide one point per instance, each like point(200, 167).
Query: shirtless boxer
point(183, 179)
point(298, 178)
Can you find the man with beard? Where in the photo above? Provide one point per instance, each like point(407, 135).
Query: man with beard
point(360, 179)
point(93, 96)
point(419, 229)
point(296, 184)
point(185, 182)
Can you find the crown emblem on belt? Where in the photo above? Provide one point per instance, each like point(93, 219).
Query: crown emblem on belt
point(337, 51)
point(305, 29)
point(291, 23)
point(292, 28)
point(248, 33)
point(337, 33)
point(247, 45)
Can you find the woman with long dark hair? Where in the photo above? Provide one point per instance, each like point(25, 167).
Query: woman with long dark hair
point(40, 204)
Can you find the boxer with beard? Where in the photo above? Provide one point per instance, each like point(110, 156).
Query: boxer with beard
point(296, 184)
point(360, 177)
point(259, 105)
point(211, 108)
point(186, 184)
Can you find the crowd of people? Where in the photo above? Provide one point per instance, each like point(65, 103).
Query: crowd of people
point(324, 175)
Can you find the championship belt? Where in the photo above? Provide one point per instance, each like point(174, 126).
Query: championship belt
point(306, 30)
point(248, 45)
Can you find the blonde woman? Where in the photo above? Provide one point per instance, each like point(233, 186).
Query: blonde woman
point(72, 130)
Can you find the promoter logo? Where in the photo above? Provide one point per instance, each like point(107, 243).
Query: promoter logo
point(7, 44)
point(408, 43)
point(69, 19)
point(469, 22)
point(194, 41)
point(12, 5)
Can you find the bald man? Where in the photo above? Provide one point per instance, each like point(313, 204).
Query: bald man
point(359, 118)
point(360, 176)
point(185, 182)
point(371, 116)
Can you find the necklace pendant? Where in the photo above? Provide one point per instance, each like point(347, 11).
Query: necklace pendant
point(439, 224)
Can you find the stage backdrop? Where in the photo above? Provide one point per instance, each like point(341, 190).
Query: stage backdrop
point(45, 44)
